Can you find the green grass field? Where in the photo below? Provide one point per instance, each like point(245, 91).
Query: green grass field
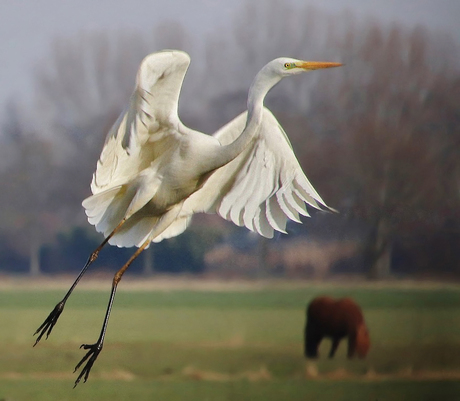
point(229, 345)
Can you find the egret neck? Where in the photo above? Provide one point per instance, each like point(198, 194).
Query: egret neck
point(263, 82)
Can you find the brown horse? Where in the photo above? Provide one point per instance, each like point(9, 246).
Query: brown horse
point(336, 319)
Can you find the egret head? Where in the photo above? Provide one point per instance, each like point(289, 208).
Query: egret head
point(276, 70)
point(284, 66)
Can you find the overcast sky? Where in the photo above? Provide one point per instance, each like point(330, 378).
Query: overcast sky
point(27, 27)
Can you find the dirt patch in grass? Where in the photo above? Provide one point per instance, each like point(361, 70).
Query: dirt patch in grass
point(261, 374)
point(312, 373)
point(207, 375)
point(116, 375)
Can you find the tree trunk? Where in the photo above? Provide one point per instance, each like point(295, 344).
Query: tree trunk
point(148, 261)
point(34, 261)
point(382, 266)
point(262, 257)
point(380, 251)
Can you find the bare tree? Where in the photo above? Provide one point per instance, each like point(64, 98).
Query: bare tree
point(389, 114)
point(382, 132)
point(259, 34)
point(379, 138)
point(81, 89)
point(30, 183)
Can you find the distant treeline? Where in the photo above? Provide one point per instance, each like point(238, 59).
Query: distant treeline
point(379, 138)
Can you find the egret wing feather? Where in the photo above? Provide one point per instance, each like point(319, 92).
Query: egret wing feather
point(149, 126)
point(276, 217)
point(144, 136)
point(262, 187)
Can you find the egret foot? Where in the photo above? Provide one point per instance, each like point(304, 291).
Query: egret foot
point(48, 324)
point(92, 354)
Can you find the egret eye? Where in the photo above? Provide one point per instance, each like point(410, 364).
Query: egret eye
point(287, 65)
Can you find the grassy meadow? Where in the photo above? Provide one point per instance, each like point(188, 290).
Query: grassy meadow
point(228, 343)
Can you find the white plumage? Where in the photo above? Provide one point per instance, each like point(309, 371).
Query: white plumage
point(155, 173)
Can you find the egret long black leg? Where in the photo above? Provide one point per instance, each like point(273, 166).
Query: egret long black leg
point(48, 324)
point(95, 349)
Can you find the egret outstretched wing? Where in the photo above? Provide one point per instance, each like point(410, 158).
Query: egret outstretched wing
point(147, 131)
point(149, 125)
point(262, 187)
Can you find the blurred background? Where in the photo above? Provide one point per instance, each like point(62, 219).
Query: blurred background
point(379, 139)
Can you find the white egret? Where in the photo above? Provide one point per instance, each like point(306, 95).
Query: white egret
point(154, 173)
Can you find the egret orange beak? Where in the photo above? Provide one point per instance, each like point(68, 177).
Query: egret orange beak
point(316, 65)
